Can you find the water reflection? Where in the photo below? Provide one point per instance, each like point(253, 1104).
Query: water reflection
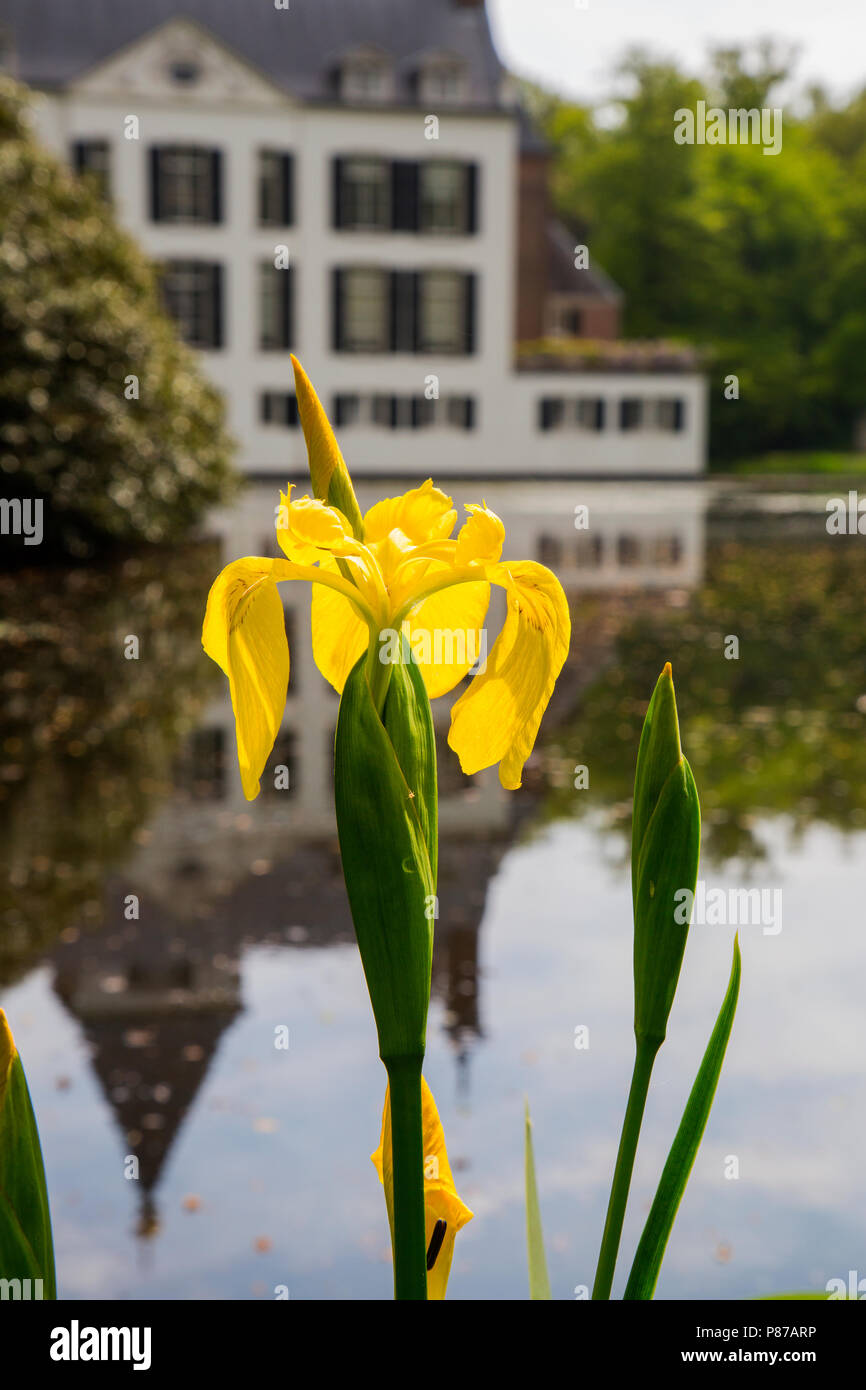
point(120, 784)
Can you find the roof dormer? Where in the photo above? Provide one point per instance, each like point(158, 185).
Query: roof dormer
point(365, 76)
point(442, 79)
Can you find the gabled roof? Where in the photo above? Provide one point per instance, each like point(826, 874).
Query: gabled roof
point(56, 41)
point(564, 279)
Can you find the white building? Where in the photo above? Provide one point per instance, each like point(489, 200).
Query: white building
point(342, 178)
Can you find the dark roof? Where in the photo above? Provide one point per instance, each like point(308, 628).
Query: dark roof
point(531, 139)
point(564, 278)
point(55, 41)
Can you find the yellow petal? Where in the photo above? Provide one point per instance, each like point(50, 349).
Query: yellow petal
point(339, 634)
point(446, 632)
point(441, 1202)
point(481, 537)
point(424, 514)
point(245, 634)
point(497, 719)
point(308, 527)
point(8, 1053)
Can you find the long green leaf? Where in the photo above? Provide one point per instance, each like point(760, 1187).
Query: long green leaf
point(539, 1283)
point(386, 819)
point(26, 1248)
point(650, 1252)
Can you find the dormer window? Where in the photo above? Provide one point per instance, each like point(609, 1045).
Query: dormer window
point(442, 81)
point(367, 78)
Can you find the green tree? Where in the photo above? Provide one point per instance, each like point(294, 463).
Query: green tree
point(79, 316)
point(756, 259)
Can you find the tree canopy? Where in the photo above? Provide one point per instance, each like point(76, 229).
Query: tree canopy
point(759, 259)
point(115, 460)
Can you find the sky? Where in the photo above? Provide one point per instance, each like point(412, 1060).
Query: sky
point(570, 45)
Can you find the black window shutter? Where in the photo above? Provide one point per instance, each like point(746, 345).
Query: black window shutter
point(292, 412)
point(394, 408)
point(469, 419)
point(337, 310)
point(679, 415)
point(339, 194)
point(470, 294)
point(404, 310)
point(78, 156)
point(472, 181)
point(404, 195)
point(288, 167)
point(267, 400)
point(547, 413)
point(288, 305)
point(417, 411)
point(217, 280)
point(155, 209)
point(216, 173)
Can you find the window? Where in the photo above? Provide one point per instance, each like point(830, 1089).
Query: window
point(589, 413)
point(93, 157)
point(570, 323)
point(403, 311)
point(275, 308)
point(200, 768)
point(366, 80)
point(404, 412)
point(669, 415)
point(347, 410)
point(589, 552)
point(667, 551)
point(363, 194)
point(443, 312)
point(185, 72)
point(275, 189)
point(193, 294)
point(186, 184)
point(630, 414)
point(628, 550)
point(461, 412)
point(435, 196)
point(385, 412)
point(363, 310)
point(279, 408)
point(549, 551)
point(444, 197)
point(443, 82)
point(551, 413)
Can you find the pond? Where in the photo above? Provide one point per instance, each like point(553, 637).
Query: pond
point(157, 930)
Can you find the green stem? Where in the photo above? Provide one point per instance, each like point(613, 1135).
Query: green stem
point(407, 1148)
point(645, 1056)
point(378, 674)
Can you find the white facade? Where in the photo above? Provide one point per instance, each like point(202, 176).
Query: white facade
point(234, 109)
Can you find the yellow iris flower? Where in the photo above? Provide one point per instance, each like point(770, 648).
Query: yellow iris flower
point(444, 1212)
point(398, 570)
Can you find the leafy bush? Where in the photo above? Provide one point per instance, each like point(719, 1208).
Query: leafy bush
point(79, 315)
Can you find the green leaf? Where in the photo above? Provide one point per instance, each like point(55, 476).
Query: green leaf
point(386, 820)
point(650, 1252)
point(409, 723)
point(26, 1247)
point(658, 753)
point(667, 868)
point(539, 1283)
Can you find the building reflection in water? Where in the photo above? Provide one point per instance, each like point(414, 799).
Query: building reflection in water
point(215, 874)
